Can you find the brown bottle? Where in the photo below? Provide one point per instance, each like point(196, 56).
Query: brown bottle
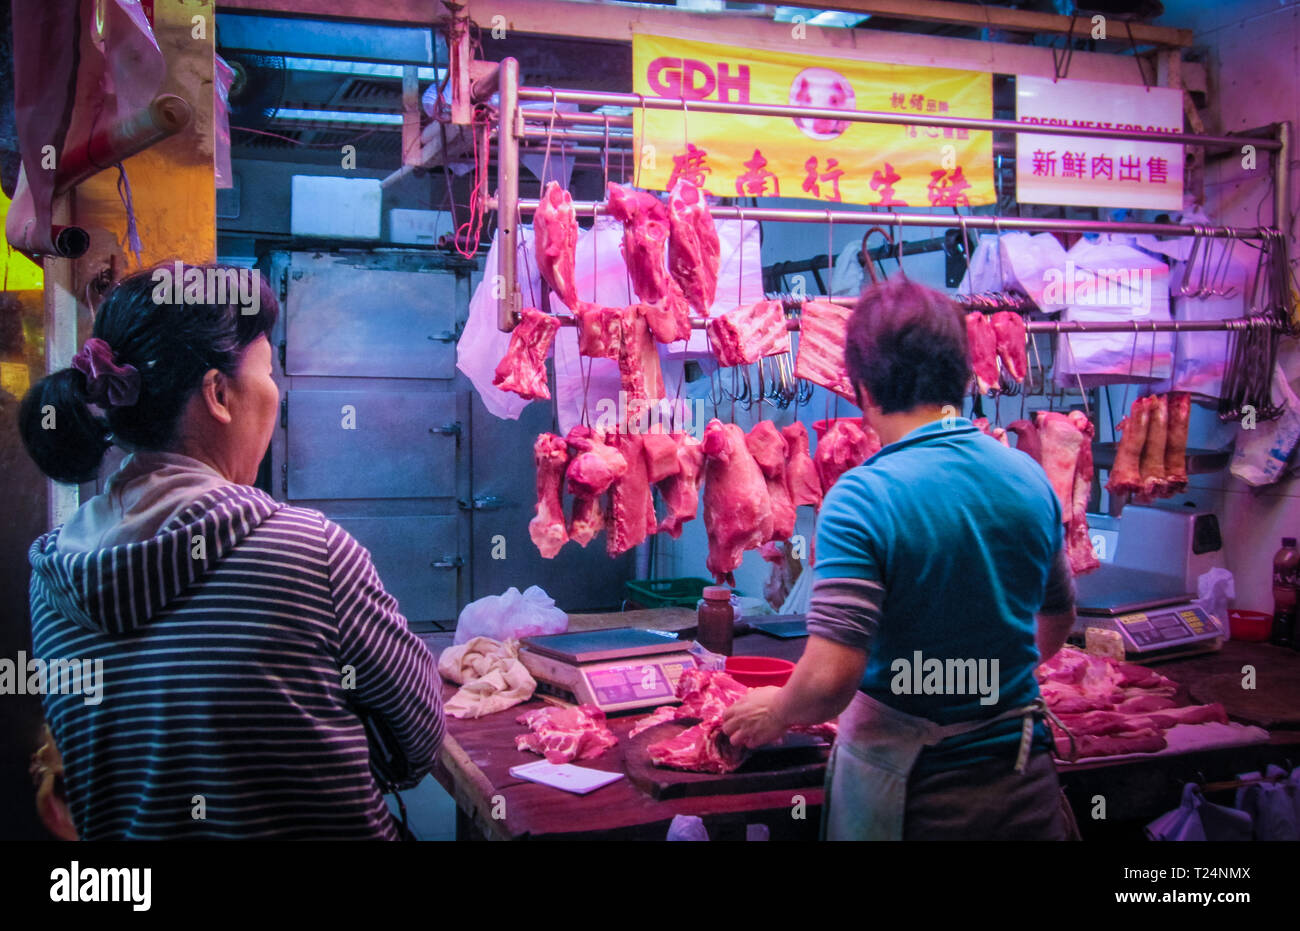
point(1286, 563)
point(717, 620)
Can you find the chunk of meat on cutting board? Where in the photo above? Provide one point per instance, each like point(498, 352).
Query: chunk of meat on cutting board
point(566, 735)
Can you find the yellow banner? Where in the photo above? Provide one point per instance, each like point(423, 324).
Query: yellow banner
point(833, 161)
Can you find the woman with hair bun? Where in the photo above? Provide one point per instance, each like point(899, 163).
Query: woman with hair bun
point(238, 658)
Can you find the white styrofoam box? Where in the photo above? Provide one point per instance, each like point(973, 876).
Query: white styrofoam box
point(419, 227)
point(340, 208)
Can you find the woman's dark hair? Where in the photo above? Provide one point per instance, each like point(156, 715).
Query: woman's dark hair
point(906, 344)
point(172, 337)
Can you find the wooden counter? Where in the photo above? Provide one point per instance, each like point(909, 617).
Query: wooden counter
point(476, 757)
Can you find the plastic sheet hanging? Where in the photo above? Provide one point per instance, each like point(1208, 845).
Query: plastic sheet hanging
point(482, 344)
point(601, 277)
point(1111, 281)
point(1021, 262)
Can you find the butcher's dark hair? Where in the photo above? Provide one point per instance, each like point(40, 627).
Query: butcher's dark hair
point(172, 344)
point(906, 344)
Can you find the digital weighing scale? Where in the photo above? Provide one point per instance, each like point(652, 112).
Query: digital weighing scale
point(615, 670)
point(1153, 614)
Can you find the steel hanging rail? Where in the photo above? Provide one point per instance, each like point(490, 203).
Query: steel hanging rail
point(952, 221)
point(640, 101)
point(511, 129)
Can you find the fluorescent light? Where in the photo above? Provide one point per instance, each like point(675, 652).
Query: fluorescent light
point(359, 68)
point(339, 116)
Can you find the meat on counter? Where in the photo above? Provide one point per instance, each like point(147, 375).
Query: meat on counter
point(566, 735)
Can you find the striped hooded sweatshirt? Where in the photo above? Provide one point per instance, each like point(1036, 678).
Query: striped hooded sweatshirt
point(240, 643)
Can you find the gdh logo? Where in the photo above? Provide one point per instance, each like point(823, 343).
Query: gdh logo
point(102, 884)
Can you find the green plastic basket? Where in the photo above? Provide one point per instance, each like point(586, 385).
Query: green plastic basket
point(665, 593)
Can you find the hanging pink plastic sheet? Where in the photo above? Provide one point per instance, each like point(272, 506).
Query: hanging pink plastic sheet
point(1111, 281)
point(482, 344)
point(223, 76)
point(125, 75)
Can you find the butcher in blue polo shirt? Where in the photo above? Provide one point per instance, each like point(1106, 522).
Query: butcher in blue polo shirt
point(940, 582)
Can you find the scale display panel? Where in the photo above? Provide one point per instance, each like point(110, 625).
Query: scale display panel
point(1161, 630)
point(634, 682)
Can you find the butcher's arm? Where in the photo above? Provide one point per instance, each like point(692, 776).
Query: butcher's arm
point(1056, 617)
point(842, 619)
point(823, 683)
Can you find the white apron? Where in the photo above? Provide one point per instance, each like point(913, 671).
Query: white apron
point(866, 778)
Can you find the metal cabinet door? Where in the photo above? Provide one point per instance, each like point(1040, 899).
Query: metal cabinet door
point(371, 444)
point(362, 317)
point(417, 561)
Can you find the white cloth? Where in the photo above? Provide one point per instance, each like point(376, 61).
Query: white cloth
point(491, 675)
point(148, 490)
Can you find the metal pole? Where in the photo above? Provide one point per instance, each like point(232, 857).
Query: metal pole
point(1281, 184)
point(798, 215)
point(894, 119)
point(1065, 326)
point(507, 199)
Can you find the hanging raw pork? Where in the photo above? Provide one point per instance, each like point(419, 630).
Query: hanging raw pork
point(693, 250)
point(555, 234)
point(523, 368)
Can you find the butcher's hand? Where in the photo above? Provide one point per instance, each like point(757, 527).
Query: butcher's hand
point(755, 720)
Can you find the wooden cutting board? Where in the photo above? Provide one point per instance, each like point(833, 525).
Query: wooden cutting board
point(1266, 707)
point(799, 762)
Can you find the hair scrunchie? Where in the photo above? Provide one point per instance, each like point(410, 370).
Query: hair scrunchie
point(107, 383)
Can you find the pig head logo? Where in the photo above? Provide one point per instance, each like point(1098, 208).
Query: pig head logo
point(823, 89)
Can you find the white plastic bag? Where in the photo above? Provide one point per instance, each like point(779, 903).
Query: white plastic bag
point(1214, 590)
point(482, 345)
point(1111, 281)
point(500, 617)
point(1262, 452)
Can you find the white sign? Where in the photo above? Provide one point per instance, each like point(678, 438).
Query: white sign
point(1089, 172)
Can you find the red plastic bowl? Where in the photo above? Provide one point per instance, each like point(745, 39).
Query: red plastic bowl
point(1249, 625)
point(758, 671)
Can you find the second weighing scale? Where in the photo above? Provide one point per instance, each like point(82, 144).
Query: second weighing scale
point(616, 670)
point(1154, 615)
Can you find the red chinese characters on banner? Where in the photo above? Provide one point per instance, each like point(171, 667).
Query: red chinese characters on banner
point(813, 178)
point(1078, 165)
point(883, 182)
point(690, 166)
point(753, 182)
point(947, 188)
